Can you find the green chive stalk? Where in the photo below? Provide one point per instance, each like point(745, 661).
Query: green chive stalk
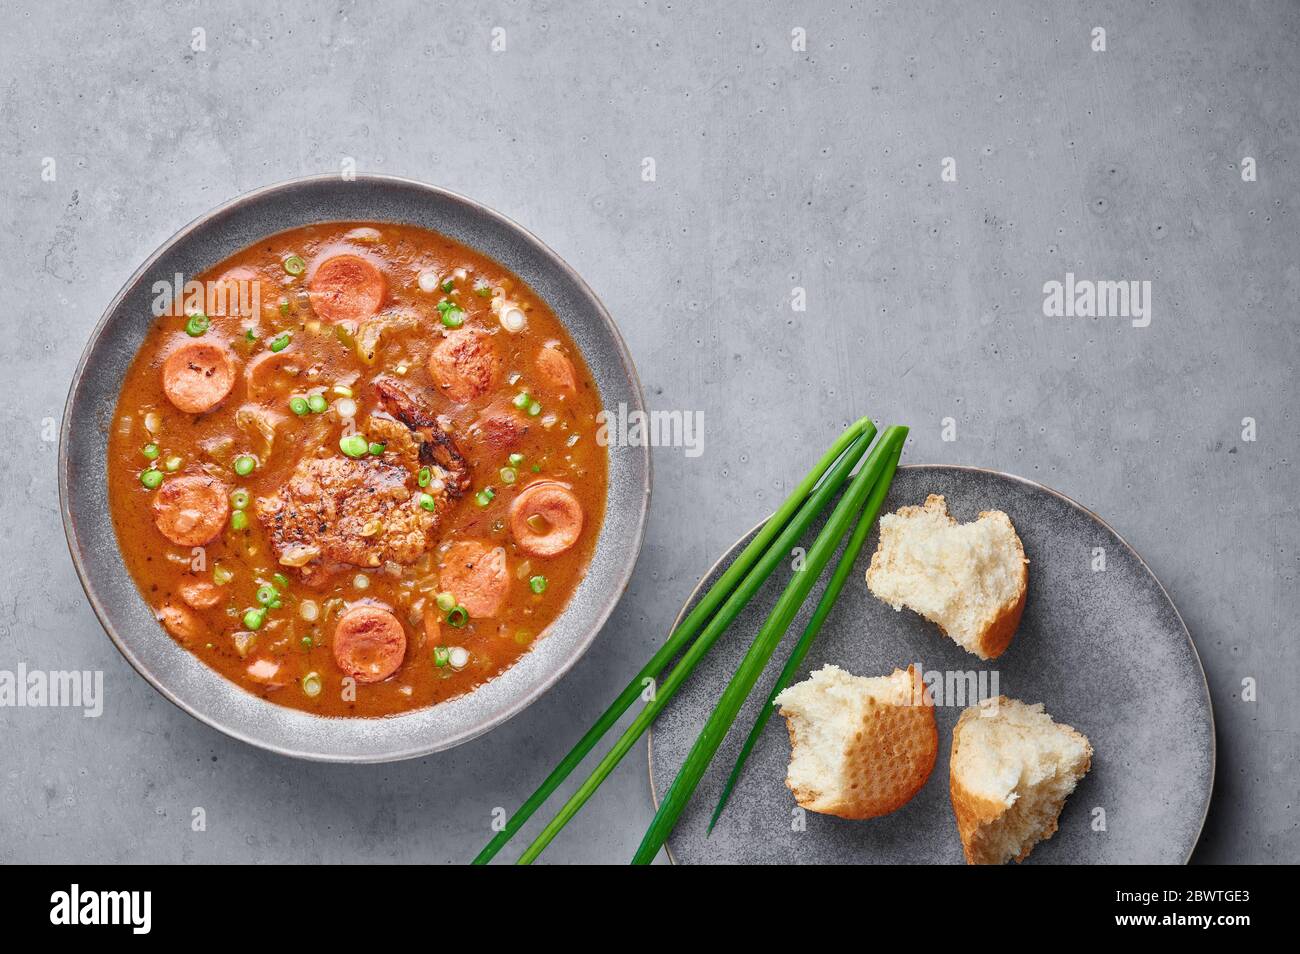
point(730, 609)
point(680, 635)
point(832, 593)
point(755, 661)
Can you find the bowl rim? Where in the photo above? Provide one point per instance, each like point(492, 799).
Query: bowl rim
point(504, 713)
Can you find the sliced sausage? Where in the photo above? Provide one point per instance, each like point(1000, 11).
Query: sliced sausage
point(200, 594)
point(190, 511)
point(475, 574)
point(231, 301)
point(546, 518)
point(465, 365)
point(556, 369)
point(198, 376)
point(369, 643)
point(346, 288)
point(181, 623)
point(260, 374)
point(500, 430)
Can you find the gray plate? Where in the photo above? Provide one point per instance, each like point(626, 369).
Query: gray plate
point(176, 673)
point(1105, 652)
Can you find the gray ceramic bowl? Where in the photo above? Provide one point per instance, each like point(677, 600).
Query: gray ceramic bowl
point(176, 673)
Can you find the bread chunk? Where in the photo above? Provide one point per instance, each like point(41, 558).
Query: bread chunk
point(1012, 769)
point(969, 578)
point(860, 747)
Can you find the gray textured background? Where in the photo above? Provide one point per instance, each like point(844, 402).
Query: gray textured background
point(775, 169)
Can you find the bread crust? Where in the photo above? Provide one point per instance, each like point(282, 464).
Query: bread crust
point(975, 813)
point(885, 764)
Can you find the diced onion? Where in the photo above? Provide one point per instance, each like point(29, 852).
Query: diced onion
point(311, 684)
point(299, 555)
point(309, 610)
point(263, 669)
point(153, 422)
point(458, 657)
point(512, 318)
point(244, 642)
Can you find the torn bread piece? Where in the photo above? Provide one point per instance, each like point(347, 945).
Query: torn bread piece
point(1012, 769)
point(859, 747)
point(969, 578)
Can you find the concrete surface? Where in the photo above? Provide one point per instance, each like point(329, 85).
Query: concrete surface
point(774, 169)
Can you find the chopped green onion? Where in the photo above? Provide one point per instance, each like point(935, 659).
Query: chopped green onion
point(151, 478)
point(239, 499)
point(244, 464)
point(266, 594)
point(221, 575)
point(173, 464)
point(537, 584)
point(307, 642)
point(238, 520)
point(870, 483)
point(441, 656)
point(536, 469)
point(354, 445)
point(447, 284)
point(445, 601)
point(311, 683)
point(508, 475)
point(457, 617)
point(482, 288)
point(281, 580)
point(295, 265)
point(748, 571)
point(250, 334)
point(423, 477)
point(521, 400)
point(254, 618)
point(281, 342)
point(316, 403)
point(197, 325)
point(376, 449)
point(284, 306)
point(534, 409)
point(484, 496)
point(452, 315)
point(150, 451)
point(516, 460)
point(427, 502)
point(299, 405)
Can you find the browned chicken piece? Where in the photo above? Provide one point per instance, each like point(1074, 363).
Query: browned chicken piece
point(437, 449)
point(396, 437)
point(335, 512)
